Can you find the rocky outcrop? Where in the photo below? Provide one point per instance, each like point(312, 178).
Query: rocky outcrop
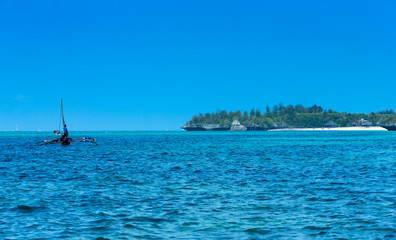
point(389, 126)
point(285, 125)
point(330, 124)
point(215, 127)
point(364, 123)
point(206, 127)
point(193, 127)
point(256, 127)
point(237, 126)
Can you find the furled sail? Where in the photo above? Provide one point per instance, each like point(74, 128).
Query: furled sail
point(63, 116)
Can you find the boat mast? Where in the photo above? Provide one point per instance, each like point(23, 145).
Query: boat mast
point(63, 116)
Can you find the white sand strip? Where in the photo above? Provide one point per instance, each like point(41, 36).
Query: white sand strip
point(333, 129)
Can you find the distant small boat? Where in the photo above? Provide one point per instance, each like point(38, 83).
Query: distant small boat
point(66, 140)
point(16, 128)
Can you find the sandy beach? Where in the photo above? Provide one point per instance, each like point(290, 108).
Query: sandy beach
point(333, 129)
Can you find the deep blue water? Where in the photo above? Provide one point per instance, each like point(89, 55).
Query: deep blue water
point(183, 185)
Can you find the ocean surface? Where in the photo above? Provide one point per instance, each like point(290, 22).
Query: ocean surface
point(202, 185)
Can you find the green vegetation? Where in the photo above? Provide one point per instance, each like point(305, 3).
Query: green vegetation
point(298, 116)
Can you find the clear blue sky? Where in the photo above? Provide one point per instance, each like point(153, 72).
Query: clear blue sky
point(151, 65)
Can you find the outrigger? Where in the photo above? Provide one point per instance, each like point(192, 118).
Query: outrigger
point(65, 140)
point(68, 141)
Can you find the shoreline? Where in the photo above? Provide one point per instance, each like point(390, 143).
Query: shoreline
point(332, 129)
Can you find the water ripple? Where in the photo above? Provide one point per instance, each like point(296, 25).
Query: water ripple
point(157, 185)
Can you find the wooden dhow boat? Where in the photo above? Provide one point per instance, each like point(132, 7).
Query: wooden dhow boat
point(65, 140)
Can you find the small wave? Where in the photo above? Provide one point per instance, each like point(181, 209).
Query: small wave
point(104, 220)
point(189, 224)
point(100, 228)
point(102, 238)
point(175, 168)
point(207, 229)
point(131, 226)
point(313, 199)
point(257, 231)
point(319, 233)
point(386, 229)
point(390, 199)
point(126, 219)
point(25, 208)
point(389, 236)
point(317, 228)
point(174, 212)
point(149, 219)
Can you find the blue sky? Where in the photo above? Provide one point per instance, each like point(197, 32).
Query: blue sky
point(151, 65)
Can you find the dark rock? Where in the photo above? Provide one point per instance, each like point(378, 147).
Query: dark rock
point(193, 127)
point(389, 126)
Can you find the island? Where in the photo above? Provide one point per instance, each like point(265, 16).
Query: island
point(291, 117)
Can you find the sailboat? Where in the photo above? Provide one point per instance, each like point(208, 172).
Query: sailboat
point(64, 139)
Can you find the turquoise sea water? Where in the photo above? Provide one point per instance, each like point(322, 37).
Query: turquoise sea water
point(183, 185)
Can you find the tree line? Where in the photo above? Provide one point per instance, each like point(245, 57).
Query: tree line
point(293, 116)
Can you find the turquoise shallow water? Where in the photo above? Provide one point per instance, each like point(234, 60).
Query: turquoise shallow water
point(175, 185)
